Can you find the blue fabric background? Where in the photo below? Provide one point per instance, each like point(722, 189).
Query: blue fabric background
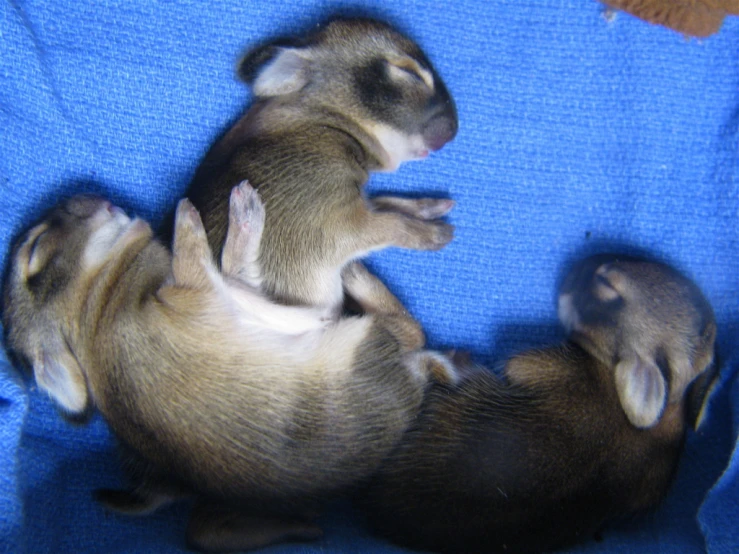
point(577, 134)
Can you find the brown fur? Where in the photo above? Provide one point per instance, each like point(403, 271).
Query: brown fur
point(353, 97)
point(542, 456)
point(258, 409)
point(699, 18)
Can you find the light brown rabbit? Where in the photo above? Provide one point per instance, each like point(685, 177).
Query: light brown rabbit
point(569, 436)
point(352, 97)
point(260, 410)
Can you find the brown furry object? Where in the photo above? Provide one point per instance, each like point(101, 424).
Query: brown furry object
point(568, 437)
point(350, 98)
point(258, 410)
point(699, 18)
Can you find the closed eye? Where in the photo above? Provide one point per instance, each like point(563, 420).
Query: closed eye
point(412, 73)
point(604, 290)
point(408, 69)
point(602, 280)
point(35, 261)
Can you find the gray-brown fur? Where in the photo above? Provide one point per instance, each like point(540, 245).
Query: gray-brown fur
point(213, 389)
point(325, 109)
point(543, 455)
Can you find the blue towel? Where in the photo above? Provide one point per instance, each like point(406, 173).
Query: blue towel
point(577, 134)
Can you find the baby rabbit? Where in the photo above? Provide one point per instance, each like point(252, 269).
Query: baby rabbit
point(259, 410)
point(352, 97)
point(570, 436)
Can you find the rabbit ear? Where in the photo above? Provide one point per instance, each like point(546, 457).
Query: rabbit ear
point(642, 390)
point(276, 70)
point(60, 375)
point(700, 393)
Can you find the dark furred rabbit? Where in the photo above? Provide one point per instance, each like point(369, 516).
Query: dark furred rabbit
point(569, 436)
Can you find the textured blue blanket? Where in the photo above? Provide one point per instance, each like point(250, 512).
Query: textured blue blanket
point(577, 134)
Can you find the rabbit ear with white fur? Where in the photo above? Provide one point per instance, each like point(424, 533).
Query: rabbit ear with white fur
point(58, 372)
point(641, 389)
